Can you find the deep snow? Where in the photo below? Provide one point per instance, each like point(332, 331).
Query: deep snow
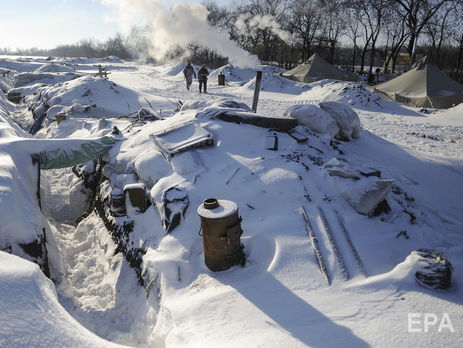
point(280, 297)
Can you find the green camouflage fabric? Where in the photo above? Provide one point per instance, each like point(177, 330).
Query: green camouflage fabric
point(63, 158)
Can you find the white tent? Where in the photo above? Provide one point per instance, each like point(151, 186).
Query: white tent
point(423, 86)
point(316, 68)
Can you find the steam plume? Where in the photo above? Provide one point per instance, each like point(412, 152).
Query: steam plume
point(182, 25)
point(245, 25)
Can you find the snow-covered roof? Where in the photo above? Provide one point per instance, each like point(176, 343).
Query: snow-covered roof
point(423, 86)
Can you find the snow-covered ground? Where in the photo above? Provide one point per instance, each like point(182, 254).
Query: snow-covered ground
point(280, 297)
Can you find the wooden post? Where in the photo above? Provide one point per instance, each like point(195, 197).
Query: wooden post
point(256, 91)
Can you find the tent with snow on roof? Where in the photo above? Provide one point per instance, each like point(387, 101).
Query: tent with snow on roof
point(423, 86)
point(316, 68)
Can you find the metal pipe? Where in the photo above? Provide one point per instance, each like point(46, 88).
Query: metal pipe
point(36, 162)
point(256, 91)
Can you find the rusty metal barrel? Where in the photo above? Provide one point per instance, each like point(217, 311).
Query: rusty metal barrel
point(221, 232)
point(221, 79)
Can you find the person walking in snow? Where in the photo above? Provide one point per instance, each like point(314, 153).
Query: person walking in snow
point(188, 72)
point(202, 77)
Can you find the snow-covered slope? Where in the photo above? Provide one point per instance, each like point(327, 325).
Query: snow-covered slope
point(53, 67)
point(31, 314)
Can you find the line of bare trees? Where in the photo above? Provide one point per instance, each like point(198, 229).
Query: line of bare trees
point(114, 46)
point(357, 34)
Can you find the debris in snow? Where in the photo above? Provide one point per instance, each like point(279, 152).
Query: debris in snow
point(145, 114)
point(426, 136)
point(250, 206)
point(343, 174)
point(183, 138)
point(283, 124)
point(115, 131)
point(90, 174)
point(117, 202)
point(37, 124)
point(233, 111)
point(435, 269)
point(365, 196)
point(231, 177)
point(37, 251)
point(402, 233)
point(271, 141)
point(120, 228)
point(14, 97)
point(299, 137)
point(60, 117)
point(382, 208)
point(376, 173)
point(411, 215)
point(337, 168)
point(174, 204)
point(135, 195)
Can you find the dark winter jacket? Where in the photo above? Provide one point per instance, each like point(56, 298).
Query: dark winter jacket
point(189, 71)
point(203, 74)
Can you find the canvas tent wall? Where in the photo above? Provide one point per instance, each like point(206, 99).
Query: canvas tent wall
point(316, 68)
point(423, 86)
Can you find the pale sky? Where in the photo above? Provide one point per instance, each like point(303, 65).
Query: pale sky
point(48, 23)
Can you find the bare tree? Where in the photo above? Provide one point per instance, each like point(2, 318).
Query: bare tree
point(353, 32)
point(218, 16)
point(438, 30)
point(369, 14)
point(334, 23)
point(305, 22)
point(396, 36)
point(116, 46)
point(360, 15)
point(377, 8)
point(260, 39)
point(416, 14)
point(457, 36)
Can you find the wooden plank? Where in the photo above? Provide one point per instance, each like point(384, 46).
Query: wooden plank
point(351, 245)
point(315, 246)
point(334, 245)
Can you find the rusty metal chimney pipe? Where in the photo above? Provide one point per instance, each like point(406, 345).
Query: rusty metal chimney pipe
point(221, 232)
point(211, 203)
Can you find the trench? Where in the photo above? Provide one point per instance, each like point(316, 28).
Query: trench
point(94, 280)
point(94, 276)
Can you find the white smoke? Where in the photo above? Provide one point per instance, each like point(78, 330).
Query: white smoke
point(247, 25)
point(182, 25)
